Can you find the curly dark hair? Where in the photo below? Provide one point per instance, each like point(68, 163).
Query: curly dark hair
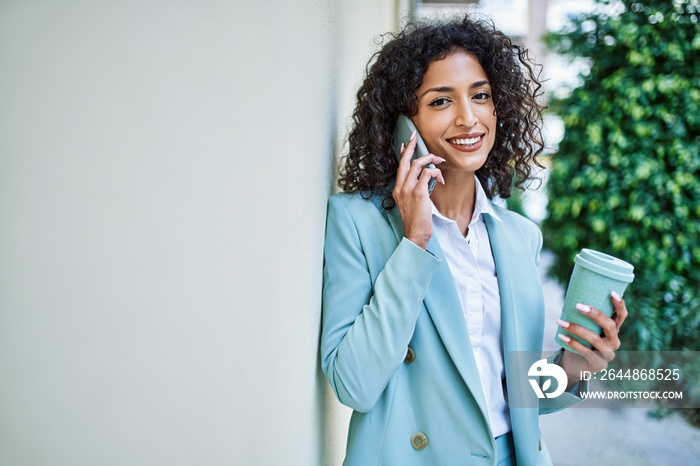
point(395, 73)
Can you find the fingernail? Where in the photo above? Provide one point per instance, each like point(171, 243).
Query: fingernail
point(402, 147)
point(616, 296)
point(413, 135)
point(562, 323)
point(564, 337)
point(442, 159)
point(583, 308)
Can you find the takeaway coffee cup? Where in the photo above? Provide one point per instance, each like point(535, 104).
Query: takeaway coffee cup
point(594, 277)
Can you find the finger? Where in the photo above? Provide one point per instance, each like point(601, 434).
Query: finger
point(620, 309)
point(427, 174)
point(409, 148)
point(606, 345)
point(596, 316)
point(596, 341)
point(417, 166)
point(405, 161)
point(595, 360)
point(609, 326)
point(437, 173)
point(422, 162)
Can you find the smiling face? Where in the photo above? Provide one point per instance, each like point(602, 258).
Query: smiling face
point(456, 115)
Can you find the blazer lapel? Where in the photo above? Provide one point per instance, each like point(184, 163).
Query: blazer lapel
point(445, 310)
point(506, 255)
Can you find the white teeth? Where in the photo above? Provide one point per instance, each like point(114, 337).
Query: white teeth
point(466, 142)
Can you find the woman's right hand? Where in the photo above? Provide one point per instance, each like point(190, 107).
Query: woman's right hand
point(411, 193)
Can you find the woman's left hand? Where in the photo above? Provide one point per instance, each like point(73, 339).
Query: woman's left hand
point(602, 351)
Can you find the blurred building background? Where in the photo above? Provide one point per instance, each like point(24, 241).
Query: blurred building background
point(164, 170)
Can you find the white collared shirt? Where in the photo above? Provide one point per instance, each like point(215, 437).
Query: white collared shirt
point(471, 262)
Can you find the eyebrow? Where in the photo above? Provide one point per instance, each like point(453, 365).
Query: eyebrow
point(450, 89)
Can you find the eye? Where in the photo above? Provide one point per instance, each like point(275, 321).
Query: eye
point(439, 102)
point(482, 95)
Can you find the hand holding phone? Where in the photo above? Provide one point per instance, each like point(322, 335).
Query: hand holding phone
point(414, 183)
point(402, 133)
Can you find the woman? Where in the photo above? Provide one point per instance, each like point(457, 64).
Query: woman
point(426, 294)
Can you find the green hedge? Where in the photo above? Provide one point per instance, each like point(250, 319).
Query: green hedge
point(626, 179)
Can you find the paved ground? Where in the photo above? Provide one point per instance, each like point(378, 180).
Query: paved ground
point(602, 437)
point(611, 437)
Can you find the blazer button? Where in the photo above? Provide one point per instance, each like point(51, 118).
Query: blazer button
point(419, 440)
point(410, 356)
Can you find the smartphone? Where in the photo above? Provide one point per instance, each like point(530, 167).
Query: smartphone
point(402, 134)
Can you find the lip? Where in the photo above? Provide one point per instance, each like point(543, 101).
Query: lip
point(465, 135)
point(474, 147)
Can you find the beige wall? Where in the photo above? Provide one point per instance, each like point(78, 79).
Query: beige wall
point(164, 169)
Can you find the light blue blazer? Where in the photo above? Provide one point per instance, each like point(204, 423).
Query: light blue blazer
point(382, 295)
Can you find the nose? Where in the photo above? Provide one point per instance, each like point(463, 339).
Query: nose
point(465, 115)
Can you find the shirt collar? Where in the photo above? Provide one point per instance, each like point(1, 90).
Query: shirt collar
point(481, 205)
